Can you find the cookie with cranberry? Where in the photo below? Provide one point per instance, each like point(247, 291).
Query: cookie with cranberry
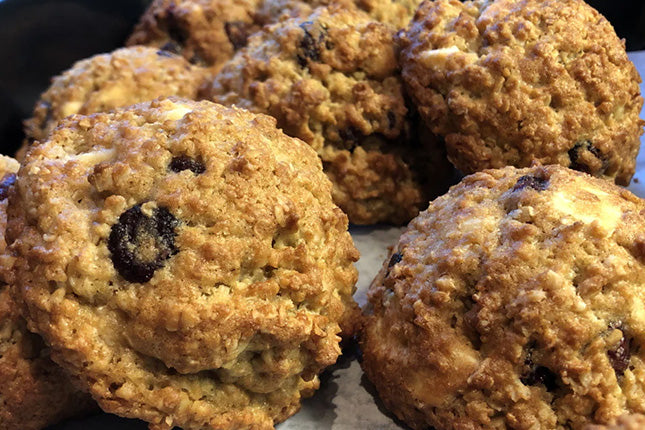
point(395, 13)
point(508, 82)
point(185, 261)
point(515, 301)
point(209, 32)
point(205, 32)
point(107, 81)
point(332, 80)
point(34, 392)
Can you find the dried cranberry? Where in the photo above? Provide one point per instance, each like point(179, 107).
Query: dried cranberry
point(311, 44)
point(538, 375)
point(5, 185)
point(237, 33)
point(396, 258)
point(580, 152)
point(183, 162)
point(619, 356)
point(537, 183)
point(140, 244)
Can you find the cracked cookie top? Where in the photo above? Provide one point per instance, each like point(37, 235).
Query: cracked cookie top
point(508, 82)
point(515, 301)
point(332, 80)
point(185, 261)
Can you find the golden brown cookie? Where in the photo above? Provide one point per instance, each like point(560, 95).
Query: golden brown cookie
point(625, 422)
point(516, 301)
point(185, 261)
point(507, 82)
point(395, 13)
point(205, 32)
point(332, 80)
point(34, 392)
point(107, 81)
point(209, 32)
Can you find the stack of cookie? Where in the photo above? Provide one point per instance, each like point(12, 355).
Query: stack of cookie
point(176, 233)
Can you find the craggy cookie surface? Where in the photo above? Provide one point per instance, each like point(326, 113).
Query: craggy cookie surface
point(516, 301)
point(508, 82)
point(397, 13)
point(107, 81)
point(209, 32)
point(332, 80)
point(205, 32)
point(185, 261)
point(34, 392)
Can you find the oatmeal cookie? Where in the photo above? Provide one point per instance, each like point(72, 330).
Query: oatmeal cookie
point(514, 302)
point(185, 261)
point(209, 32)
point(34, 392)
point(397, 13)
point(625, 422)
point(508, 82)
point(205, 32)
point(332, 80)
point(107, 81)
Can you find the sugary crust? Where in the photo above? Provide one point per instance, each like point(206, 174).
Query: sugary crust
point(332, 80)
point(34, 392)
point(515, 301)
point(625, 422)
point(107, 81)
point(508, 82)
point(244, 308)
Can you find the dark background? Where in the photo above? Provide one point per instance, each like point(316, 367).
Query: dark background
point(41, 38)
